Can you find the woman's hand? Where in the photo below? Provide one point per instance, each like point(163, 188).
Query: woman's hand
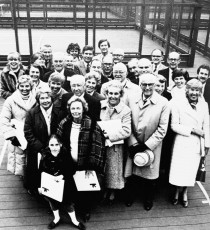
point(88, 173)
point(59, 178)
point(198, 132)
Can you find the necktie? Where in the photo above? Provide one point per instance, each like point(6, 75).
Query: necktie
point(155, 69)
point(88, 68)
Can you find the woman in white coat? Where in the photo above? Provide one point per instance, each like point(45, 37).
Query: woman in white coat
point(190, 122)
point(114, 109)
point(14, 112)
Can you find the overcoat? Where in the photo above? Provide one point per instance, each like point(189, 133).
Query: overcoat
point(186, 150)
point(36, 134)
point(149, 125)
point(15, 108)
point(114, 170)
point(8, 81)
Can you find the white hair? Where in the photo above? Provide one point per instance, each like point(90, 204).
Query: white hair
point(77, 78)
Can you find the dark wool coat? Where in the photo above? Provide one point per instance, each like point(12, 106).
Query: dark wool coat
point(91, 145)
point(36, 134)
point(9, 81)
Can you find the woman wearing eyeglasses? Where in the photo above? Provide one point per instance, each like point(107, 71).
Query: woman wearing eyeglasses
point(10, 74)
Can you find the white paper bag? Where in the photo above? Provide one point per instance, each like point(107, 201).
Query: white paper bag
point(86, 182)
point(51, 187)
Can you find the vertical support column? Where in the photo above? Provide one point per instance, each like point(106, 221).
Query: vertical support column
point(179, 25)
point(195, 36)
point(29, 27)
point(74, 12)
point(142, 26)
point(13, 8)
point(207, 38)
point(94, 23)
point(170, 15)
point(86, 22)
point(45, 15)
point(192, 28)
point(154, 17)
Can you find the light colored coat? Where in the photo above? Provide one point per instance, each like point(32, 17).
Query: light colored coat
point(15, 108)
point(187, 147)
point(149, 123)
point(114, 173)
point(131, 90)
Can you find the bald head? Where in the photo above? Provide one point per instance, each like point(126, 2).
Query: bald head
point(145, 66)
point(173, 60)
point(77, 83)
point(120, 72)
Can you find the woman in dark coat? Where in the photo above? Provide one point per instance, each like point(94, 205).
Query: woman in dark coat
point(84, 140)
point(40, 123)
point(57, 162)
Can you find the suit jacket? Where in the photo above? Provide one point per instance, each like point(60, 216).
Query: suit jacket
point(67, 73)
point(206, 93)
point(94, 106)
point(165, 73)
point(35, 128)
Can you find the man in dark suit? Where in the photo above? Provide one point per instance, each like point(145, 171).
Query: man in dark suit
point(77, 83)
point(107, 67)
point(58, 63)
point(87, 55)
point(203, 73)
point(173, 61)
point(46, 50)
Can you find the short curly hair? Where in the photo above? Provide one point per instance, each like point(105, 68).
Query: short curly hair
point(73, 46)
point(116, 84)
point(24, 79)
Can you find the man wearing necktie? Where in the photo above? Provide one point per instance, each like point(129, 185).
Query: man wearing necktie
point(157, 58)
point(150, 115)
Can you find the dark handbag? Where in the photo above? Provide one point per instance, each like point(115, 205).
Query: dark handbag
point(201, 174)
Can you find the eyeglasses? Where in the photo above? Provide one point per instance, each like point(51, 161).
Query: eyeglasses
point(107, 64)
point(147, 84)
point(143, 67)
point(120, 72)
point(13, 59)
point(117, 55)
point(156, 56)
point(173, 59)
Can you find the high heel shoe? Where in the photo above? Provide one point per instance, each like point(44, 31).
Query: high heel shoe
point(174, 201)
point(52, 225)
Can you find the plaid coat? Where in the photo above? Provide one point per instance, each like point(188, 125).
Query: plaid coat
point(91, 149)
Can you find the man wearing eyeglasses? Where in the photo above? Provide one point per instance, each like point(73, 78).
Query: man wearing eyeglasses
point(173, 61)
point(107, 67)
point(118, 55)
point(150, 115)
point(120, 73)
point(13, 70)
point(157, 58)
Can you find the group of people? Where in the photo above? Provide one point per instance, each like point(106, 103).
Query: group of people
point(130, 123)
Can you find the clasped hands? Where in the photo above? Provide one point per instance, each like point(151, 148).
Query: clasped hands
point(138, 147)
point(14, 141)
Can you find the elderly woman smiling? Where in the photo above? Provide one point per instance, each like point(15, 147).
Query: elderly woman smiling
point(15, 107)
point(91, 81)
point(190, 122)
point(113, 109)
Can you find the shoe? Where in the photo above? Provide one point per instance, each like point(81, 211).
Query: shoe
point(80, 226)
point(148, 205)
point(185, 203)
point(52, 224)
point(175, 201)
point(129, 203)
point(87, 217)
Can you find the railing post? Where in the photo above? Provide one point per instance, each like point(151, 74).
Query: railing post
point(13, 8)
point(94, 23)
point(195, 36)
point(179, 25)
point(170, 15)
point(29, 27)
point(154, 17)
point(142, 26)
point(86, 22)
